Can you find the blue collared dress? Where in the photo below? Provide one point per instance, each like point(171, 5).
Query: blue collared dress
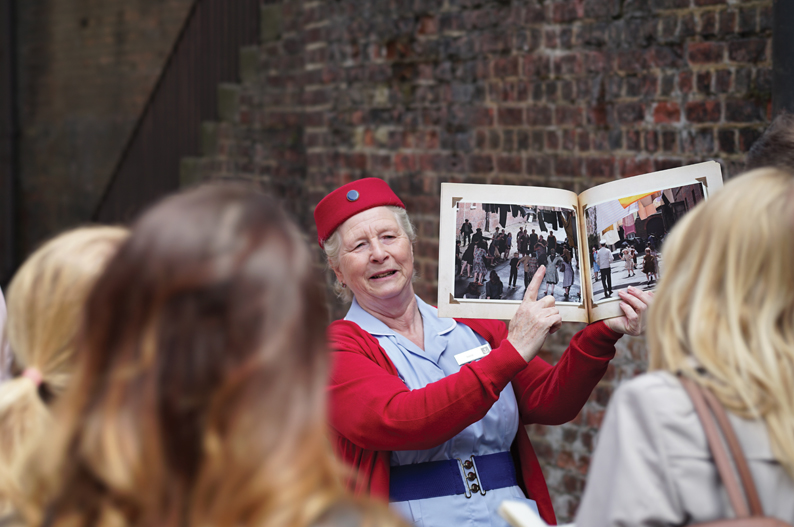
point(494, 433)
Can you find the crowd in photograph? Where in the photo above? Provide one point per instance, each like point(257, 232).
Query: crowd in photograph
point(476, 256)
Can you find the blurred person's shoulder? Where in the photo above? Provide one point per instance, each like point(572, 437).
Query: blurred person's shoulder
point(658, 395)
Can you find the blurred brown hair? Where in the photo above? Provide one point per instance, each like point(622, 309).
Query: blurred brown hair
point(201, 397)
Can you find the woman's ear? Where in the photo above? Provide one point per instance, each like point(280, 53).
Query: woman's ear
point(339, 275)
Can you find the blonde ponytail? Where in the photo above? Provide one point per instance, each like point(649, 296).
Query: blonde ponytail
point(45, 303)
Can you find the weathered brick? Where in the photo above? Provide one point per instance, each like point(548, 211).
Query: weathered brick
point(651, 141)
point(671, 56)
point(705, 52)
point(539, 116)
point(703, 82)
point(509, 164)
point(568, 166)
point(601, 8)
point(744, 111)
point(599, 167)
point(538, 166)
point(703, 111)
point(628, 167)
point(511, 116)
point(765, 15)
point(708, 23)
point(747, 137)
point(506, 66)
point(669, 141)
point(569, 64)
point(405, 162)
point(685, 81)
point(568, 115)
point(722, 81)
point(747, 20)
point(726, 139)
point(748, 50)
point(630, 113)
point(727, 23)
point(552, 140)
point(480, 163)
point(698, 142)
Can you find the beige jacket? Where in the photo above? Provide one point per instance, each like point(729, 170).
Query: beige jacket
point(652, 466)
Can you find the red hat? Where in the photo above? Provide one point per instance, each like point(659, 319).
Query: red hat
point(348, 200)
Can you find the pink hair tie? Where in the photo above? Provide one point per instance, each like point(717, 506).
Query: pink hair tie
point(34, 375)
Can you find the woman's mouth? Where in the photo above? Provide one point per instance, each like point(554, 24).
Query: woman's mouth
point(384, 274)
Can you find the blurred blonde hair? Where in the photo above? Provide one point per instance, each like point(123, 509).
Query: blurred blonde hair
point(727, 300)
point(45, 303)
point(199, 398)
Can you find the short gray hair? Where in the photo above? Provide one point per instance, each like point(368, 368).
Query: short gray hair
point(333, 245)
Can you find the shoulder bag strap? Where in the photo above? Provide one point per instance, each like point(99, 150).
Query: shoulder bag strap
point(740, 461)
point(718, 451)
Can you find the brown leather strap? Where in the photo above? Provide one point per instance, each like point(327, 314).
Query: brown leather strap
point(739, 460)
point(721, 460)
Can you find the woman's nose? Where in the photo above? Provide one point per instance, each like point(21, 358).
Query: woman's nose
point(378, 251)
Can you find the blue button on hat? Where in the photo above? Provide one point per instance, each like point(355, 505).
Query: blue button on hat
point(352, 195)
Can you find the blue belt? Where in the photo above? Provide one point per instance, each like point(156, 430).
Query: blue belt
point(443, 478)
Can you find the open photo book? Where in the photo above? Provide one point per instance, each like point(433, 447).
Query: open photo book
point(492, 238)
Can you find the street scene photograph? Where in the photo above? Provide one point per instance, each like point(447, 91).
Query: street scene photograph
point(499, 247)
point(625, 237)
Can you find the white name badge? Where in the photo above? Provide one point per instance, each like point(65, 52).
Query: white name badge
point(473, 354)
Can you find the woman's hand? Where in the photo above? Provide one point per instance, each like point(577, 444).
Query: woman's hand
point(534, 320)
point(635, 303)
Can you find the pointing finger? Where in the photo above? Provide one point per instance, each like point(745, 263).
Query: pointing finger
point(534, 285)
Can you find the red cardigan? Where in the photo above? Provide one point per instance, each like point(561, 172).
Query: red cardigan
point(372, 412)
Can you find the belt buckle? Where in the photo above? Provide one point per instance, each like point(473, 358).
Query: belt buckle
point(471, 488)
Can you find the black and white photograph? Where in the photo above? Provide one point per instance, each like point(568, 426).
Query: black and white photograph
point(499, 247)
point(625, 237)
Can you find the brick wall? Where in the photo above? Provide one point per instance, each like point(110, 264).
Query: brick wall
point(555, 92)
point(86, 68)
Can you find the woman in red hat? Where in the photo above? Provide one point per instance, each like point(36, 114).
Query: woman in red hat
point(431, 411)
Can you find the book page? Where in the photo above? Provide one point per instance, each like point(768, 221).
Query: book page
point(519, 514)
point(632, 217)
point(486, 231)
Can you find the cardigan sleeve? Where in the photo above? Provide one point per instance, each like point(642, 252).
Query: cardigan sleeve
point(375, 410)
point(553, 395)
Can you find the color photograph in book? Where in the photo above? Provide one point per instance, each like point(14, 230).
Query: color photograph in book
point(498, 248)
point(625, 238)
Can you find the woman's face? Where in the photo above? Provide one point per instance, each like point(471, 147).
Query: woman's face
point(376, 258)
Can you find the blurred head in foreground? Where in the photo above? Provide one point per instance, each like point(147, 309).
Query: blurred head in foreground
point(200, 398)
point(775, 148)
point(727, 301)
point(45, 307)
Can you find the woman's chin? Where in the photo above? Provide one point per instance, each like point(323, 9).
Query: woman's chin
point(389, 288)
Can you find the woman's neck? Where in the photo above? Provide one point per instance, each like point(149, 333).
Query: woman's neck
point(402, 317)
